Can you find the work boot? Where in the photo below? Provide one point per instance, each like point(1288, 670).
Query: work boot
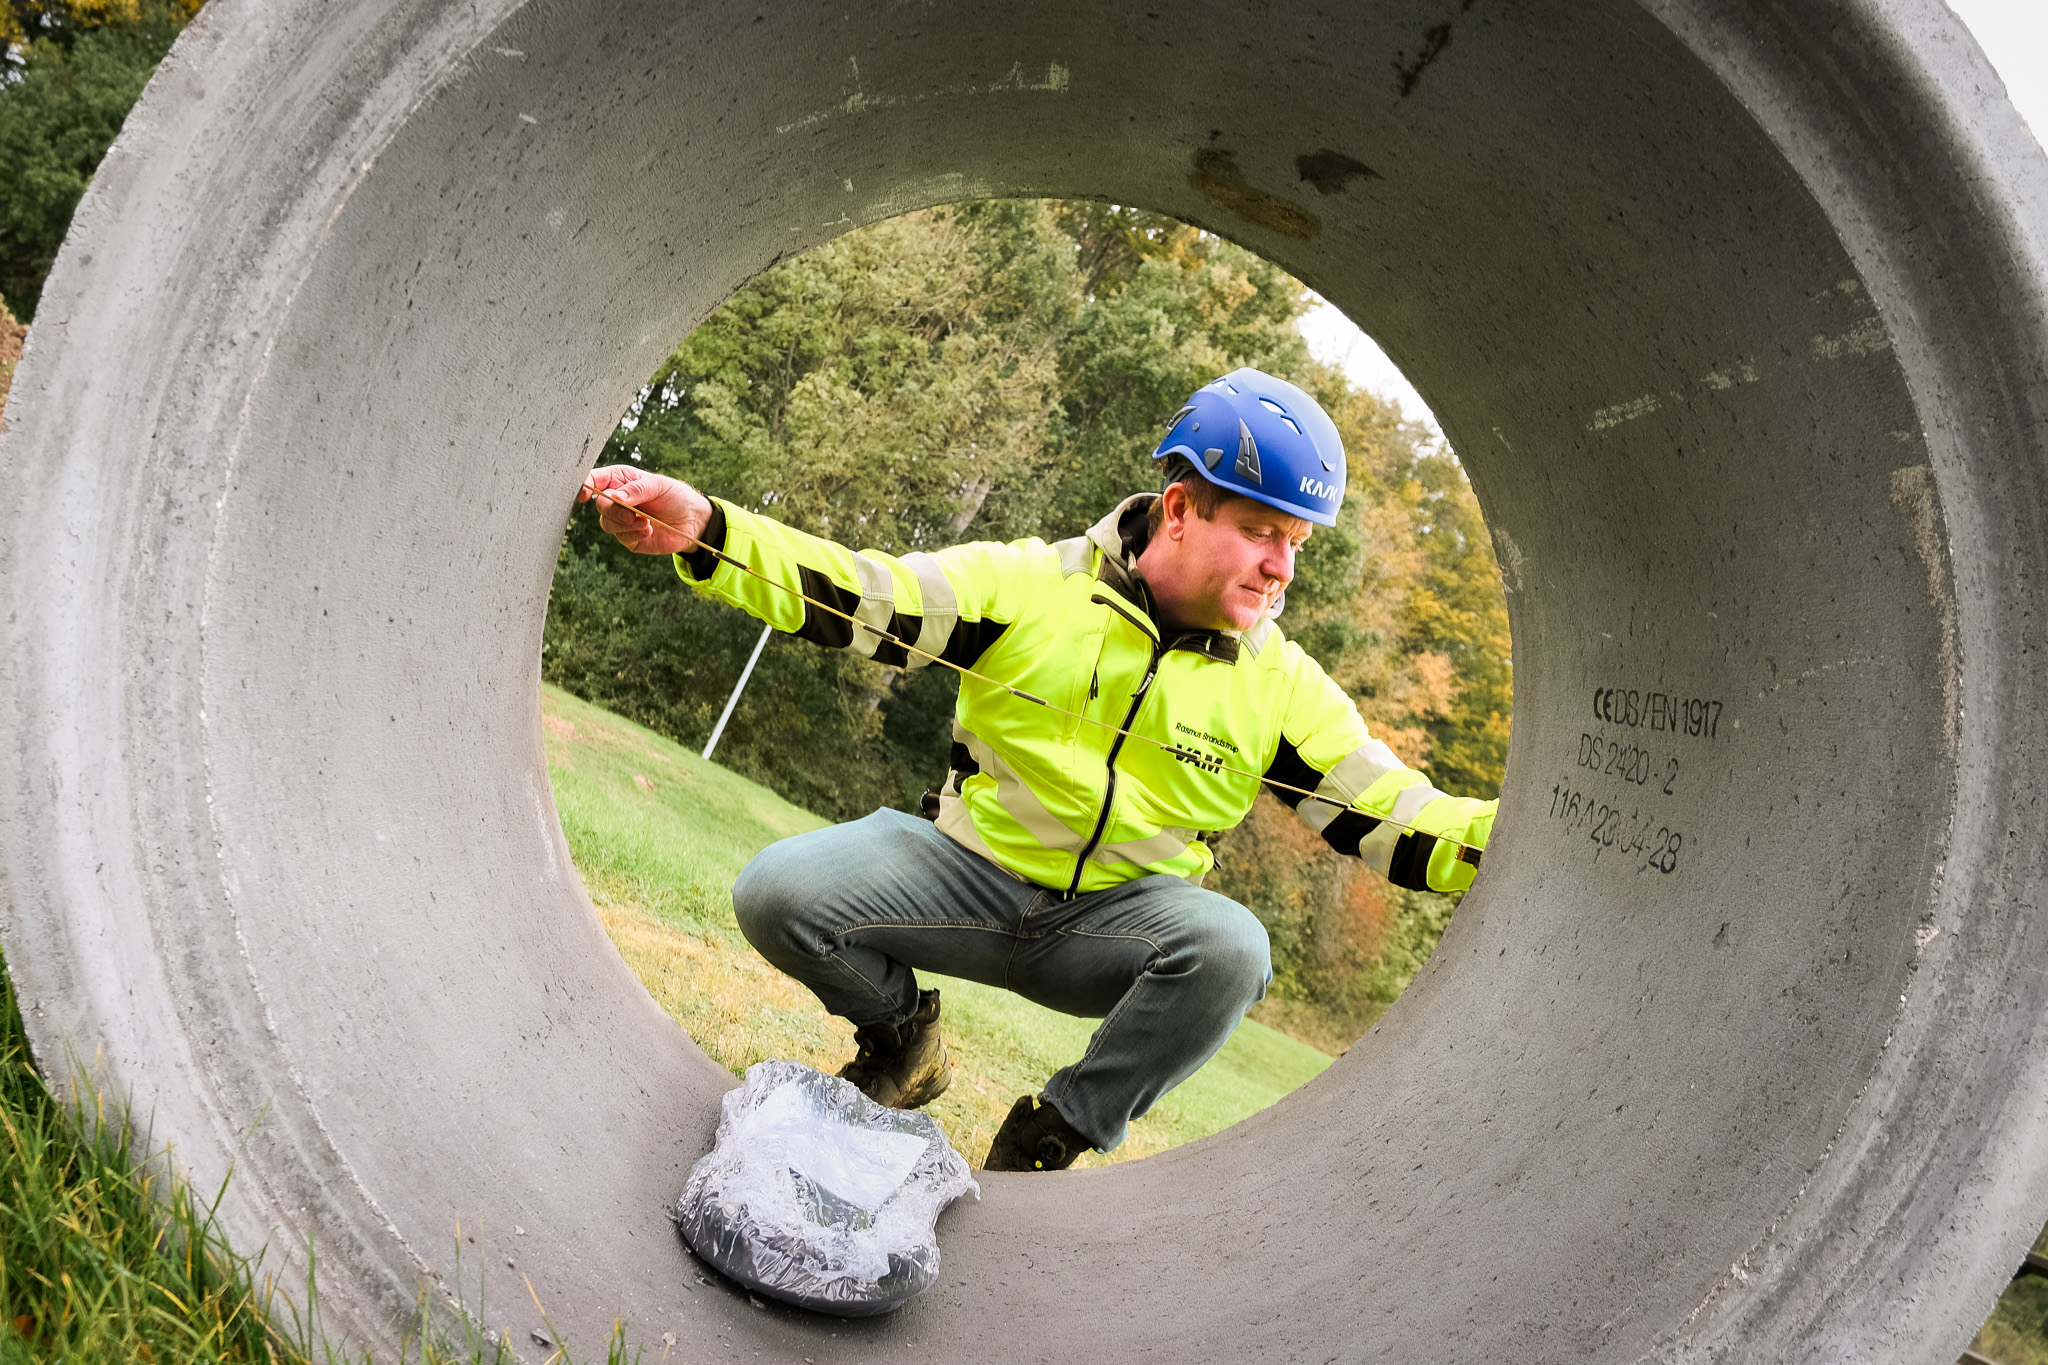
point(1040, 1140)
point(902, 1065)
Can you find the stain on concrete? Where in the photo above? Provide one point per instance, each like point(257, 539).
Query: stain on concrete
point(1618, 413)
point(1331, 171)
point(1509, 556)
point(1867, 337)
point(1217, 179)
point(1408, 69)
point(1917, 499)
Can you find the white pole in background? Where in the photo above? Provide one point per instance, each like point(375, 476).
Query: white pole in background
point(737, 688)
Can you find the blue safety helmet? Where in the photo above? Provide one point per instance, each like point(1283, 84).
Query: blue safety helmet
point(1260, 436)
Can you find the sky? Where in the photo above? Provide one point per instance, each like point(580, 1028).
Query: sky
point(2013, 33)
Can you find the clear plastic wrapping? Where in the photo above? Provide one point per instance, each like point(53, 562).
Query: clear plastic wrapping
point(814, 1194)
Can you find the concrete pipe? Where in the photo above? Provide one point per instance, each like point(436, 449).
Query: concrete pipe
point(1735, 313)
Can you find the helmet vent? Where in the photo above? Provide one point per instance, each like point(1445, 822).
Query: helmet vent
point(1248, 455)
point(1281, 412)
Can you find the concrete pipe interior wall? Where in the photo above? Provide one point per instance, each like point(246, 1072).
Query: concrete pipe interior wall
point(1734, 312)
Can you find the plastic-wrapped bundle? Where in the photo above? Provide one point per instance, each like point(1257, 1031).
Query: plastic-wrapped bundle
point(815, 1194)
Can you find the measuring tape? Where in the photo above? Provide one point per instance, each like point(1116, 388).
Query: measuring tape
point(1468, 853)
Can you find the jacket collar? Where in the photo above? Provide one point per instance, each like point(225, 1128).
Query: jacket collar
point(1122, 537)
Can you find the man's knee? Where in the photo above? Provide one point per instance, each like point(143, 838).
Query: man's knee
point(1237, 951)
point(769, 891)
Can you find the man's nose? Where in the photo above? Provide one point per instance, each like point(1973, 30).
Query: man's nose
point(1279, 565)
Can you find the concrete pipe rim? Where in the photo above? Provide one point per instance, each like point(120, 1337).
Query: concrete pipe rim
point(1735, 317)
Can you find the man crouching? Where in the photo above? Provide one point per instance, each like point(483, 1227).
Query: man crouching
point(1066, 851)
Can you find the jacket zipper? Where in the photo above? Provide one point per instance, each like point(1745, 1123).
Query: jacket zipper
point(1116, 747)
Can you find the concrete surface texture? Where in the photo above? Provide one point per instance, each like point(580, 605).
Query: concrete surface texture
point(1735, 313)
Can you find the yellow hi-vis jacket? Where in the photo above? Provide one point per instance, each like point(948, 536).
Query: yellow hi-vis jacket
point(1074, 806)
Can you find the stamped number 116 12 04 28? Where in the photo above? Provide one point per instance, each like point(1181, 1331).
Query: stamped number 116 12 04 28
point(1623, 768)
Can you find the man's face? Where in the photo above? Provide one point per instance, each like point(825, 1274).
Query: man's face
point(1229, 569)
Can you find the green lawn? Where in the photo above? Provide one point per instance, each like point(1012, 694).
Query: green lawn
point(106, 1256)
point(659, 835)
point(2017, 1333)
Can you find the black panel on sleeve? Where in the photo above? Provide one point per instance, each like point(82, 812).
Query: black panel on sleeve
point(972, 639)
point(822, 627)
point(701, 561)
point(895, 655)
point(1290, 767)
point(1410, 865)
point(1344, 832)
point(834, 632)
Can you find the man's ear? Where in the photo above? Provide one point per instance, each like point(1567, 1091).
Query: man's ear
point(1176, 507)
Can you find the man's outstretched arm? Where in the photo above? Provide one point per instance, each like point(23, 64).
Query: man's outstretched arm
point(953, 603)
point(1374, 806)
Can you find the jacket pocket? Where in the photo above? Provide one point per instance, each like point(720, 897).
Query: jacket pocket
point(1081, 695)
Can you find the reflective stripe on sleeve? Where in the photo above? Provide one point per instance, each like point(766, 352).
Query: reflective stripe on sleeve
point(1376, 850)
point(877, 605)
point(941, 607)
point(1359, 769)
point(1409, 803)
point(1408, 851)
point(1317, 815)
point(1345, 783)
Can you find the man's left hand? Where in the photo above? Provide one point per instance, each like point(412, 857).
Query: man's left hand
point(678, 512)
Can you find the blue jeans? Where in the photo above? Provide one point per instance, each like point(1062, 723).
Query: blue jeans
point(851, 911)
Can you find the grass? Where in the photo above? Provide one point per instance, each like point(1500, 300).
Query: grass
point(92, 1267)
point(2017, 1332)
point(106, 1256)
point(659, 834)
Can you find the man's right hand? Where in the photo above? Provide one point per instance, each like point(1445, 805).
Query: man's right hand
point(679, 511)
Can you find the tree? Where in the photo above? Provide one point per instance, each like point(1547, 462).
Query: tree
point(12, 334)
point(875, 391)
point(1458, 613)
point(1345, 941)
point(73, 70)
point(1166, 310)
point(877, 388)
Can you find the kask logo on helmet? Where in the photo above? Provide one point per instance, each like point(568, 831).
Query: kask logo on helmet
point(1316, 488)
